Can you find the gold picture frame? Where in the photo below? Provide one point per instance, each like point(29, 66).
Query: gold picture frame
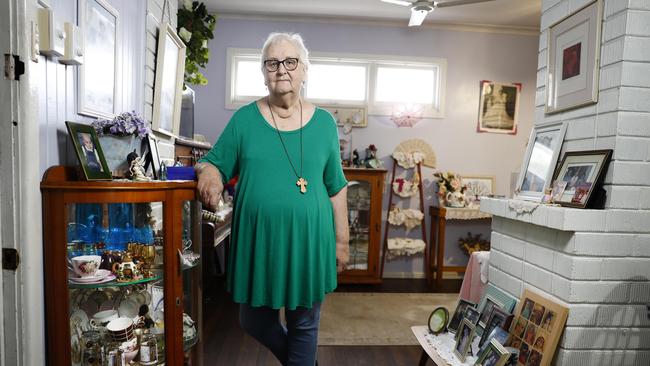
point(536, 328)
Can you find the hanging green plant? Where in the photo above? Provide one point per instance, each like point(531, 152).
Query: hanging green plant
point(195, 27)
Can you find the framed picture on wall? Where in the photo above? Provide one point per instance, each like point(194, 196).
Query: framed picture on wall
point(498, 107)
point(541, 155)
point(582, 173)
point(99, 75)
point(573, 59)
point(89, 151)
point(168, 84)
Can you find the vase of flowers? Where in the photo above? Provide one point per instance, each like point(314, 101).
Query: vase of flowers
point(451, 191)
point(119, 137)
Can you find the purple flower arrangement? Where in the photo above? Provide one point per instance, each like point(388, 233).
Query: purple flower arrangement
point(124, 124)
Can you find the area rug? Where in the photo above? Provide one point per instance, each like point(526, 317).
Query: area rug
point(377, 319)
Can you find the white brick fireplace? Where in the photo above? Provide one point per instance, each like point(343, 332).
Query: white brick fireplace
point(595, 261)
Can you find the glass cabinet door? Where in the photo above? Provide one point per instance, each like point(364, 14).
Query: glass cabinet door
point(190, 258)
point(359, 222)
point(115, 268)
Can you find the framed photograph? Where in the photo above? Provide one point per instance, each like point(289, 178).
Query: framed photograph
point(472, 314)
point(438, 320)
point(498, 107)
point(500, 334)
point(544, 146)
point(99, 79)
point(459, 313)
point(573, 59)
point(89, 151)
point(498, 319)
point(477, 187)
point(507, 301)
point(152, 157)
point(583, 172)
point(464, 339)
point(489, 304)
point(348, 116)
point(493, 355)
point(537, 328)
point(168, 84)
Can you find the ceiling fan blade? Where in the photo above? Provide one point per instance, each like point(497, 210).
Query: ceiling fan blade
point(398, 2)
point(417, 17)
point(458, 2)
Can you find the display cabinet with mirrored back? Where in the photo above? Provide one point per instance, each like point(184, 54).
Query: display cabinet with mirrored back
point(122, 266)
point(364, 199)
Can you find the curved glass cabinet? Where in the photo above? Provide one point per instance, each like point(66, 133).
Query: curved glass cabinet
point(122, 271)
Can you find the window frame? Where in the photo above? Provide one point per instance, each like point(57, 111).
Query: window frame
point(372, 63)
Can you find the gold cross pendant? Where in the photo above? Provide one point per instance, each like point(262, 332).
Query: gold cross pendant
point(303, 184)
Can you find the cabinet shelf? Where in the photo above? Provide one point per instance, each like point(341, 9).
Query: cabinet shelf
point(113, 283)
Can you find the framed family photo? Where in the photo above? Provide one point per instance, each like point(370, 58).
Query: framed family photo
point(99, 74)
point(89, 151)
point(543, 149)
point(464, 339)
point(581, 174)
point(498, 107)
point(168, 84)
point(494, 354)
point(536, 328)
point(573, 59)
point(459, 314)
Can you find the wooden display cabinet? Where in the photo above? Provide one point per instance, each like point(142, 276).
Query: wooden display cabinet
point(365, 192)
point(109, 218)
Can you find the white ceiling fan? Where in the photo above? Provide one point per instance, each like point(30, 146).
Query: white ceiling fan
point(420, 8)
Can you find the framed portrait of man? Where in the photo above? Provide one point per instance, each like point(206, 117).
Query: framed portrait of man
point(89, 151)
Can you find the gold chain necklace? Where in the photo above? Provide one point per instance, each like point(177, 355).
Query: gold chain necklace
point(301, 182)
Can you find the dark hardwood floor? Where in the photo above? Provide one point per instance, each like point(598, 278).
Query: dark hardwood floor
point(227, 344)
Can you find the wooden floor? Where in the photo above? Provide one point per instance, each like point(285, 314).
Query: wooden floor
point(227, 344)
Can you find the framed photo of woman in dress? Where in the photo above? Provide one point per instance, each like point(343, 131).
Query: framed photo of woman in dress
point(498, 107)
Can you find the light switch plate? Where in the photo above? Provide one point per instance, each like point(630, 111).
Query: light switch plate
point(34, 47)
point(51, 34)
point(74, 46)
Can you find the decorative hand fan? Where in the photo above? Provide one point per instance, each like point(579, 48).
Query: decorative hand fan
point(418, 145)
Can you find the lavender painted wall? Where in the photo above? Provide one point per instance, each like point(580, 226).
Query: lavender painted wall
point(471, 57)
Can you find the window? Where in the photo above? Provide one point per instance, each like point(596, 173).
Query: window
point(383, 83)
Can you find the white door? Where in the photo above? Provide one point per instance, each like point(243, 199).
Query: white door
point(21, 293)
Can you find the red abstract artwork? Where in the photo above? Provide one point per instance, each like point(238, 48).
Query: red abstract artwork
point(571, 61)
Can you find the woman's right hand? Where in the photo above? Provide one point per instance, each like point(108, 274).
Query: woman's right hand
point(210, 185)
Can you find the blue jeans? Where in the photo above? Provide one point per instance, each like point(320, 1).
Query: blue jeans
point(293, 345)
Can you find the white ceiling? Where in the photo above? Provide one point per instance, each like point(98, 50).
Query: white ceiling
point(517, 14)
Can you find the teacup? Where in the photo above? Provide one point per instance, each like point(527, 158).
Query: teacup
point(121, 329)
point(85, 265)
point(102, 318)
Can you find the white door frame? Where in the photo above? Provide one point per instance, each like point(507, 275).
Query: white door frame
point(22, 323)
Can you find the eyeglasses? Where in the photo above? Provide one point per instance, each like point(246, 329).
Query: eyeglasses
point(290, 64)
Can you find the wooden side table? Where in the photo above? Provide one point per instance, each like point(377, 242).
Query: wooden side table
point(439, 217)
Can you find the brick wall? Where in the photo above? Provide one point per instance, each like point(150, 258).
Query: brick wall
point(597, 262)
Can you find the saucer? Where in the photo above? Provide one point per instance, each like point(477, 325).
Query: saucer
point(108, 278)
point(99, 275)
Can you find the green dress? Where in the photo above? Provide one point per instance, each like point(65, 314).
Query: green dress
point(283, 247)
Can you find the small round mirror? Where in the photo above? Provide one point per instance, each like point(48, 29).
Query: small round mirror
point(438, 320)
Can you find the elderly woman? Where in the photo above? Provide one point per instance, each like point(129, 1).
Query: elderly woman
point(290, 229)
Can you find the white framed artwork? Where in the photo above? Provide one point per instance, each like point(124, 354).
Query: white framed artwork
point(99, 76)
point(168, 84)
point(539, 162)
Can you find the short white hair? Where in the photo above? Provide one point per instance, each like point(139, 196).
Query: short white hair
point(294, 38)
